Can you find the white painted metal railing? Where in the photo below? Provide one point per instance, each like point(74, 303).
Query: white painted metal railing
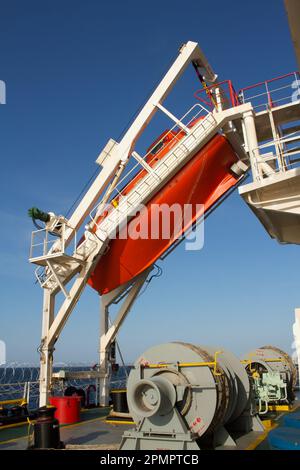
point(43, 241)
point(272, 93)
point(195, 112)
point(166, 166)
point(280, 154)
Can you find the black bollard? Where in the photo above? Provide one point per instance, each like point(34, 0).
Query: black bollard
point(46, 430)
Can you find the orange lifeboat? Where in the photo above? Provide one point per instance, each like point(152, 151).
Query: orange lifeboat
point(201, 182)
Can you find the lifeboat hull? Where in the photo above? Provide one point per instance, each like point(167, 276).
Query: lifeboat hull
point(200, 183)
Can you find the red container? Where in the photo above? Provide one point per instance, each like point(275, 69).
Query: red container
point(67, 409)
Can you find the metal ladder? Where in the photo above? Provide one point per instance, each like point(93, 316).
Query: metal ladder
point(160, 174)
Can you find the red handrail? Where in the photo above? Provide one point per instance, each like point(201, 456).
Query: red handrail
point(296, 73)
point(233, 97)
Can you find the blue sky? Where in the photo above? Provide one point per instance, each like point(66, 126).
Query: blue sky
point(75, 73)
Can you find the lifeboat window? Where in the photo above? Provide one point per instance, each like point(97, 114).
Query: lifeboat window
point(157, 147)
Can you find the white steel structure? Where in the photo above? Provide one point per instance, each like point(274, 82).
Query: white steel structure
point(62, 268)
point(273, 195)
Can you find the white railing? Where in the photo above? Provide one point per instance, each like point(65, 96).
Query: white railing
point(179, 148)
point(196, 110)
point(19, 393)
point(47, 241)
point(280, 154)
point(272, 93)
point(44, 277)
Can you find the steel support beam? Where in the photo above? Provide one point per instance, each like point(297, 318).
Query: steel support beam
point(46, 352)
point(250, 138)
point(109, 331)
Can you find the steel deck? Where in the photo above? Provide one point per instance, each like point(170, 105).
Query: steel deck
point(93, 433)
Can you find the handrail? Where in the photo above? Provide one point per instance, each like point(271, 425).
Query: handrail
point(117, 190)
point(285, 157)
point(13, 401)
point(162, 139)
point(160, 164)
point(274, 95)
point(270, 80)
point(163, 365)
point(47, 243)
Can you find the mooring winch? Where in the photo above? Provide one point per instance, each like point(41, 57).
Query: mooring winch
point(183, 396)
point(274, 376)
